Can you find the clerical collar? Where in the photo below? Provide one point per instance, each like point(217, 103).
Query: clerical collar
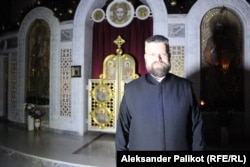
point(158, 79)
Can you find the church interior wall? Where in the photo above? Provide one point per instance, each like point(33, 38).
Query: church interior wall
point(72, 46)
point(2, 82)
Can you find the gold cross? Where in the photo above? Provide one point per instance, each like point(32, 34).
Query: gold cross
point(119, 41)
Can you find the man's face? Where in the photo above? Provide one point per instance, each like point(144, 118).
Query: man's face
point(120, 13)
point(157, 59)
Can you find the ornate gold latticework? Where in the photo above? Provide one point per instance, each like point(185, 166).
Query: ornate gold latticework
point(106, 93)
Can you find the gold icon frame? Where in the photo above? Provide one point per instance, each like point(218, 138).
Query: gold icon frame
point(102, 116)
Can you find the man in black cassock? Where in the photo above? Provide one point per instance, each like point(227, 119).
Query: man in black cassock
point(159, 110)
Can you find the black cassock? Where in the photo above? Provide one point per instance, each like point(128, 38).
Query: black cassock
point(159, 116)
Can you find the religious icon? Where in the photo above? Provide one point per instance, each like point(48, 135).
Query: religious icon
point(127, 70)
point(120, 14)
point(102, 93)
point(98, 15)
point(38, 60)
point(221, 49)
point(102, 116)
point(142, 12)
point(76, 71)
point(110, 69)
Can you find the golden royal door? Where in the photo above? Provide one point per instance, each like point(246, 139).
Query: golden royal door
point(105, 94)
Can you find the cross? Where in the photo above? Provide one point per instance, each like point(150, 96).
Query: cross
point(119, 41)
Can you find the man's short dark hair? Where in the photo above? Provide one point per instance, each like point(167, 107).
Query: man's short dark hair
point(158, 38)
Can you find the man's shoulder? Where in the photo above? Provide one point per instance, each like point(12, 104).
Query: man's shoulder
point(136, 81)
point(176, 78)
point(170, 78)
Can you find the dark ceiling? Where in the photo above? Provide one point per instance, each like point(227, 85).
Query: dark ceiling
point(13, 11)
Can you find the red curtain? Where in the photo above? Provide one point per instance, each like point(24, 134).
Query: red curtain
point(134, 34)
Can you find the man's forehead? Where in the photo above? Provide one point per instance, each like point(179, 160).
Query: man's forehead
point(155, 44)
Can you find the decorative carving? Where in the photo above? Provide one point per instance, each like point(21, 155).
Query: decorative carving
point(66, 35)
point(177, 60)
point(102, 105)
point(176, 30)
point(65, 83)
point(13, 88)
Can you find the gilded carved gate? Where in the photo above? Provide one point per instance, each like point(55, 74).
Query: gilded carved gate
point(105, 94)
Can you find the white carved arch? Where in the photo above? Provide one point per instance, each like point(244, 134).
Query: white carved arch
point(53, 23)
point(192, 49)
point(82, 47)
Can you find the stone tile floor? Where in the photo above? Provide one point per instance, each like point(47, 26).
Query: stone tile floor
point(22, 148)
point(27, 148)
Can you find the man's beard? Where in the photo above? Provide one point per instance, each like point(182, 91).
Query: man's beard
point(158, 69)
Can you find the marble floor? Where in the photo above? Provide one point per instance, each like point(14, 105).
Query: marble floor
point(22, 148)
